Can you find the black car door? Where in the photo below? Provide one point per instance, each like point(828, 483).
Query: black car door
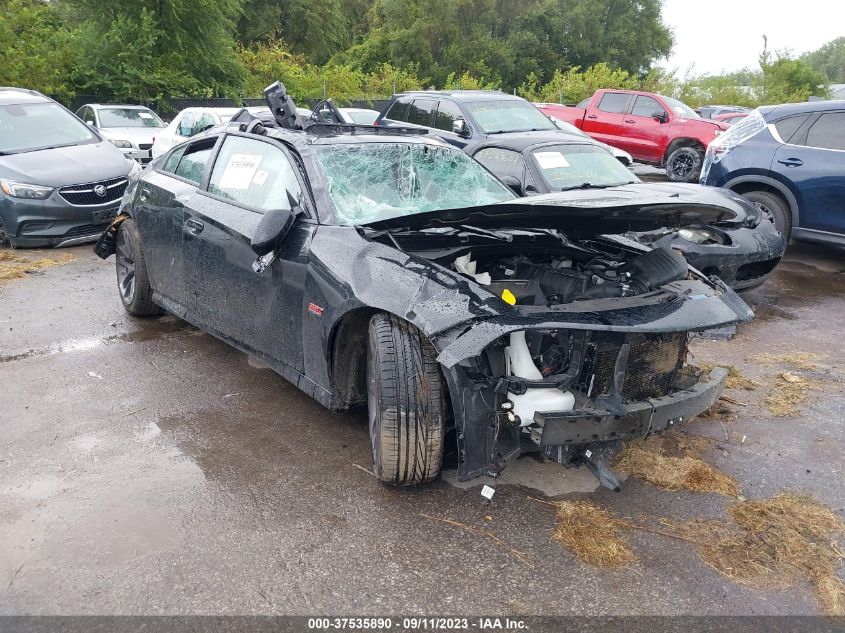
point(444, 122)
point(261, 312)
point(159, 211)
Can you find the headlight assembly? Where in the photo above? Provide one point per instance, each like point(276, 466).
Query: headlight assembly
point(23, 190)
point(699, 236)
point(121, 144)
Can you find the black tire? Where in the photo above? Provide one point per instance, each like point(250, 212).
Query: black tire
point(684, 164)
point(133, 282)
point(778, 207)
point(406, 401)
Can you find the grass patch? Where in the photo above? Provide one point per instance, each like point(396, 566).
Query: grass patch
point(797, 360)
point(774, 543)
point(15, 266)
point(591, 534)
point(788, 391)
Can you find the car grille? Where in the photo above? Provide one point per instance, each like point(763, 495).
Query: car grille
point(653, 364)
point(87, 229)
point(83, 195)
point(145, 145)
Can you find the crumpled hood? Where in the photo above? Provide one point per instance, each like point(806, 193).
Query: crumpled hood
point(62, 166)
point(592, 212)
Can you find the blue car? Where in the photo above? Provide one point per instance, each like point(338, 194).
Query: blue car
point(788, 160)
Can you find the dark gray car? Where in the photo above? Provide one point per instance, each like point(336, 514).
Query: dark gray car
point(60, 181)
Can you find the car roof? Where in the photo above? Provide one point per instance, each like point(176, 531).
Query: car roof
point(463, 95)
point(787, 109)
point(19, 96)
point(520, 141)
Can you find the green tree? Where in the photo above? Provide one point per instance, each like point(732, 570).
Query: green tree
point(829, 59)
point(37, 49)
point(149, 49)
point(787, 80)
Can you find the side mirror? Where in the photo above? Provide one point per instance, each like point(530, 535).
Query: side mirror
point(271, 231)
point(513, 183)
point(660, 115)
point(460, 127)
point(89, 123)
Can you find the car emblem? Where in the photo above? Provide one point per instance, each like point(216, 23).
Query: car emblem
point(100, 190)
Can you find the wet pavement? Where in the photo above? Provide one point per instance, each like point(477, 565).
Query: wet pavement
point(148, 468)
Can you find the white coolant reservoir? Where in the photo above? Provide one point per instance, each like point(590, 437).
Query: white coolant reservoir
point(538, 399)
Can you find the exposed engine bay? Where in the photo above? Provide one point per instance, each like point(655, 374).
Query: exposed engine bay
point(548, 279)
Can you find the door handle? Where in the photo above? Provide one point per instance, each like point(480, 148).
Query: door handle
point(592, 116)
point(630, 121)
point(792, 162)
point(194, 226)
point(144, 195)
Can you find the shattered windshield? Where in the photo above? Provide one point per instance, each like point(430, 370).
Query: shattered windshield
point(377, 181)
point(573, 166)
point(515, 115)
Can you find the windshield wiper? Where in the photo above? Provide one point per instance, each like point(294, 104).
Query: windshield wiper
point(502, 237)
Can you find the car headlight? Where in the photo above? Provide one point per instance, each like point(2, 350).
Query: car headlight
point(699, 236)
point(121, 144)
point(24, 190)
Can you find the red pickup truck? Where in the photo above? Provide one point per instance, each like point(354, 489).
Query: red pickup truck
point(652, 128)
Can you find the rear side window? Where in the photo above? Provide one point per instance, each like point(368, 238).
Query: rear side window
point(788, 126)
point(614, 102)
point(420, 112)
point(502, 162)
point(192, 164)
point(828, 132)
point(398, 111)
point(447, 113)
point(173, 160)
point(254, 174)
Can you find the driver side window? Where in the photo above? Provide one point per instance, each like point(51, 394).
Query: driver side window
point(254, 174)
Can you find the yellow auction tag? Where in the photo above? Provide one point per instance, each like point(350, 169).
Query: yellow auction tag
point(508, 297)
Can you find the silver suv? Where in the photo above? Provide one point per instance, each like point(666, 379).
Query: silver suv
point(60, 181)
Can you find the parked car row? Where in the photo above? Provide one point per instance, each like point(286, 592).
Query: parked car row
point(401, 274)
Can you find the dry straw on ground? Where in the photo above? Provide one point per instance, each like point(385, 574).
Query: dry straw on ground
point(797, 360)
point(736, 380)
point(788, 391)
point(774, 543)
point(672, 462)
point(719, 412)
point(15, 266)
point(591, 534)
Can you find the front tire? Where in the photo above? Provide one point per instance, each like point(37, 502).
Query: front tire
point(406, 401)
point(777, 206)
point(133, 282)
point(684, 164)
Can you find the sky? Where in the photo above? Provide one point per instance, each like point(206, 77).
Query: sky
point(715, 36)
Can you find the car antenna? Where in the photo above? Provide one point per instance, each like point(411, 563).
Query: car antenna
point(282, 106)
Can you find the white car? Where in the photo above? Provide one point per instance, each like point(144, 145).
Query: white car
point(192, 121)
point(130, 128)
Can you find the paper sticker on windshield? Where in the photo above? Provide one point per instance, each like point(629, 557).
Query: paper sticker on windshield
point(240, 171)
point(145, 115)
point(551, 160)
point(260, 178)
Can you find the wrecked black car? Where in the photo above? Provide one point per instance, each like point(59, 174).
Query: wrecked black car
point(742, 249)
point(381, 267)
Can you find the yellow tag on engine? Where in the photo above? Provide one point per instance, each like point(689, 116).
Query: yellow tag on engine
point(508, 297)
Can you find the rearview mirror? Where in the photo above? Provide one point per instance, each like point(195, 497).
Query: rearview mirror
point(513, 183)
point(271, 231)
point(660, 115)
point(460, 127)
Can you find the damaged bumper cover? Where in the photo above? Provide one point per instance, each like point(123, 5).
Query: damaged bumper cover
point(637, 419)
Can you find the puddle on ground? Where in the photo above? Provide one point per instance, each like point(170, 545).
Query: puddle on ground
point(547, 477)
point(793, 287)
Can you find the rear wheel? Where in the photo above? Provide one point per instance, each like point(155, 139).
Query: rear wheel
point(684, 164)
point(774, 204)
point(406, 401)
point(133, 283)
